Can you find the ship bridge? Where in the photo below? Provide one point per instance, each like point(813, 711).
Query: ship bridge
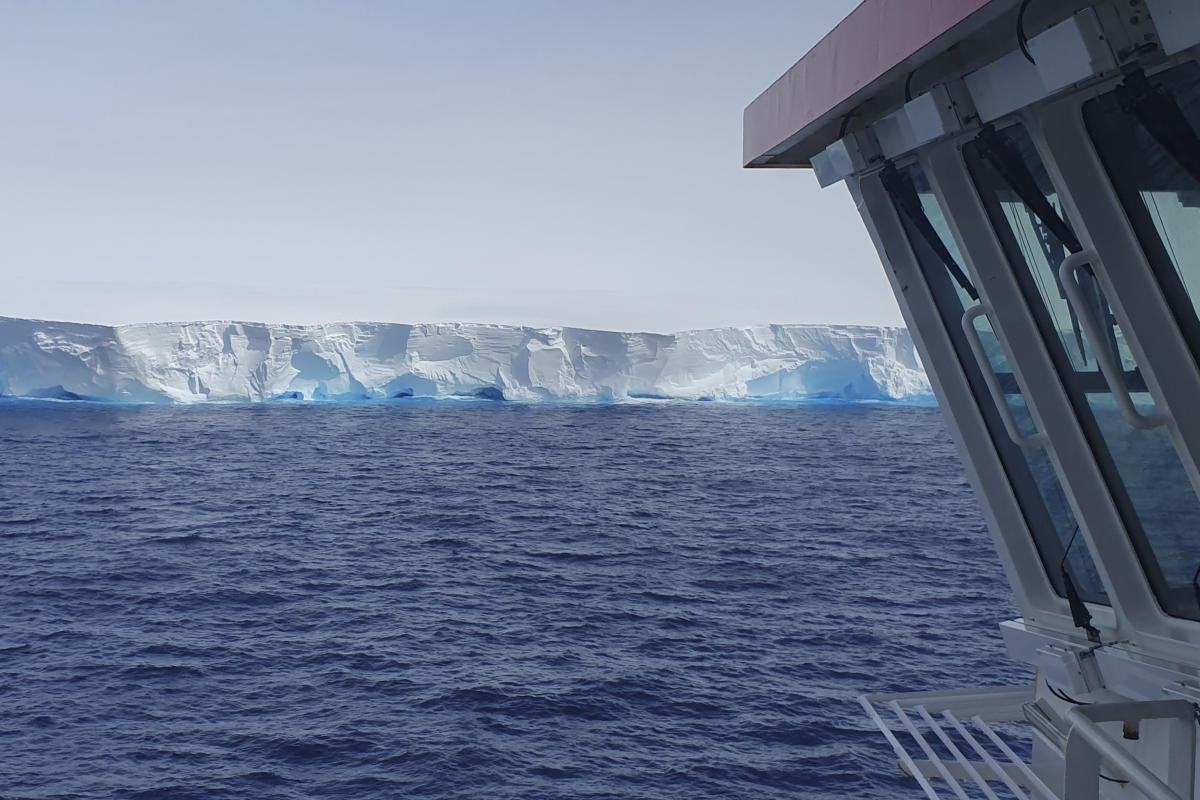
point(1029, 171)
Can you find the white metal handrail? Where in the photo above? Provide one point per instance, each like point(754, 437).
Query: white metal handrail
point(968, 767)
point(906, 760)
point(999, 773)
point(1088, 744)
point(1032, 777)
point(987, 757)
point(964, 777)
point(938, 764)
point(1028, 442)
point(1109, 368)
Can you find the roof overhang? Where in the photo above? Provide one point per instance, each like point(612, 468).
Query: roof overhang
point(879, 43)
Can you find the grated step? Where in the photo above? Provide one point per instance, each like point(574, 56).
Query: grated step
point(951, 758)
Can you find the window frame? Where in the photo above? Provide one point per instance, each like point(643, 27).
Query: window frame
point(1040, 605)
point(1134, 290)
point(1029, 495)
point(1076, 171)
point(1077, 384)
point(1067, 446)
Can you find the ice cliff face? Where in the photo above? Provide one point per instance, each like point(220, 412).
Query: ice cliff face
point(240, 362)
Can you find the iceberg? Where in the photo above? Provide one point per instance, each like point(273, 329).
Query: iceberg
point(195, 362)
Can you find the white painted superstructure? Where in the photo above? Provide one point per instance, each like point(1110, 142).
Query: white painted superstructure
point(1029, 172)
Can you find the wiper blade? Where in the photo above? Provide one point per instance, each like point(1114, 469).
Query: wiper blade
point(904, 195)
point(1052, 251)
point(1079, 610)
point(1163, 119)
point(999, 151)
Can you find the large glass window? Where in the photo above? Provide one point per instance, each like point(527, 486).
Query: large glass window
point(1142, 468)
point(1148, 135)
point(1035, 483)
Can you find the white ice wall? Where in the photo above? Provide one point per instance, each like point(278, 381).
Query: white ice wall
point(237, 361)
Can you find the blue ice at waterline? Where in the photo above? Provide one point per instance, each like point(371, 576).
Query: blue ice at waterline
point(236, 362)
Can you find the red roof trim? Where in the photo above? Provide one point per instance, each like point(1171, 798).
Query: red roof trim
point(875, 38)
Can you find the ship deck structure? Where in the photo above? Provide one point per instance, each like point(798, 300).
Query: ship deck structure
point(1029, 172)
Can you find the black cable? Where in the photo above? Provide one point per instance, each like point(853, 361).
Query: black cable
point(908, 87)
point(846, 123)
point(1022, 40)
point(1066, 698)
point(1067, 550)
point(1079, 610)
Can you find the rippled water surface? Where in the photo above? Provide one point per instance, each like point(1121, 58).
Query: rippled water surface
point(479, 600)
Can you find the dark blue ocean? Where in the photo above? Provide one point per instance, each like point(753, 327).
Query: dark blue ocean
point(479, 600)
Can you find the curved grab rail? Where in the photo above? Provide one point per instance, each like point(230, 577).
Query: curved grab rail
point(1035, 441)
point(1109, 368)
point(1088, 744)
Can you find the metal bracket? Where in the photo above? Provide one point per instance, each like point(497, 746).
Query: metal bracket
point(1088, 744)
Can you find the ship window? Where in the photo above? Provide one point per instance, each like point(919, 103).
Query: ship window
point(1147, 135)
point(1034, 481)
point(1142, 469)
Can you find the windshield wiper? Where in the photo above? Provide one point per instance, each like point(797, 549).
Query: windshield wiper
point(905, 196)
point(1079, 610)
point(1052, 252)
point(1163, 119)
point(1008, 163)
point(998, 149)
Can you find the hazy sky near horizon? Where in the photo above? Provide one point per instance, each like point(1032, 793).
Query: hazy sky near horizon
point(537, 162)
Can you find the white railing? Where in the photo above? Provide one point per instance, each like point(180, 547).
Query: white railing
point(1088, 745)
point(956, 747)
point(993, 770)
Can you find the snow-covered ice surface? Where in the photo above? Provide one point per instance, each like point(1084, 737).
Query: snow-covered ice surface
point(361, 361)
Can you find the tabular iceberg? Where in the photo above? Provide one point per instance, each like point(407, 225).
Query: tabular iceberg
point(249, 362)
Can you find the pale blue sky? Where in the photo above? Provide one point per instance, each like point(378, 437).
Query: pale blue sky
point(531, 161)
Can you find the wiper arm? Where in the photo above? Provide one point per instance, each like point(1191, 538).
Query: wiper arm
point(999, 151)
point(904, 195)
point(1003, 156)
point(1052, 251)
point(1079, 610)
point(1163, 119)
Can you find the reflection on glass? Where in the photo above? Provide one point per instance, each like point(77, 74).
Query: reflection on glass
point(1078, 559)
point(1145, 476)
point(1176, 217)
point(1148, 134)
point(1045, 255)
point(1036, 484)
point(1162, 493)
point(933, 212)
